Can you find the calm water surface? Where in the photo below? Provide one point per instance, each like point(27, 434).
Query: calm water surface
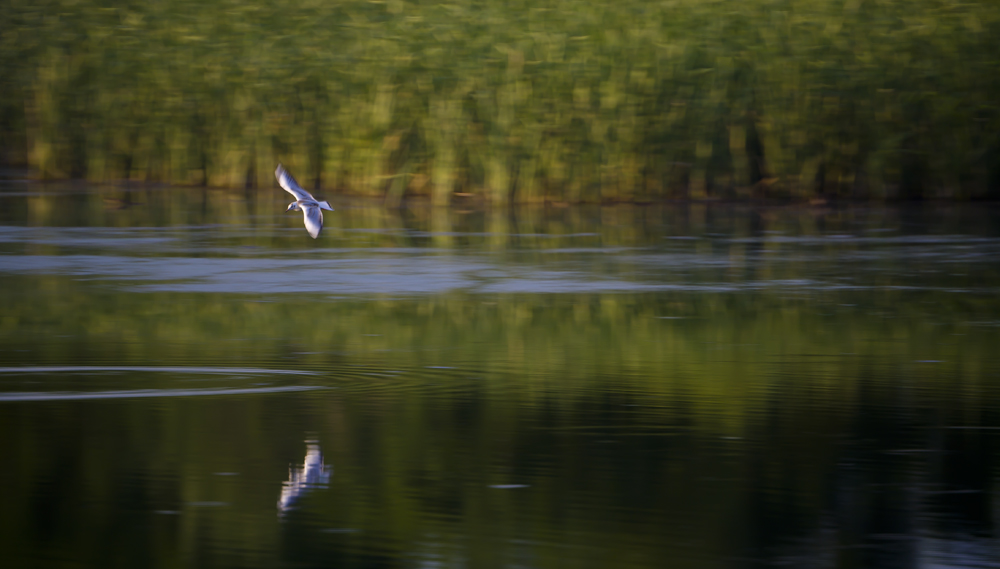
point(187, 379)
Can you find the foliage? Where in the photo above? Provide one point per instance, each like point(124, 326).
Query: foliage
point(552, 100)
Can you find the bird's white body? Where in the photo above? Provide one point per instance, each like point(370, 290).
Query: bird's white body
point(311, 208)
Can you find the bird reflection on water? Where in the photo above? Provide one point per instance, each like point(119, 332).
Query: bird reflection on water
point(313, 473)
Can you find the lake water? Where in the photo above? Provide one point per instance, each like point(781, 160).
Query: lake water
point(188, 380)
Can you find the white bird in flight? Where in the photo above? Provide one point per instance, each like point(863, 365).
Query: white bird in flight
point(312, 209)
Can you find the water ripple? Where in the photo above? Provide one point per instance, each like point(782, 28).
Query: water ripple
point(167, 369)
point(136, 393)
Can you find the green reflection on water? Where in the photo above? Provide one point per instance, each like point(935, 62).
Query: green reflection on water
point(685, 426)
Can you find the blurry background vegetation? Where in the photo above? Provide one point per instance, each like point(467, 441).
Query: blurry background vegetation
point(541, 100)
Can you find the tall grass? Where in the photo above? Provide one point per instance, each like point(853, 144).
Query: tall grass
point(556, 100)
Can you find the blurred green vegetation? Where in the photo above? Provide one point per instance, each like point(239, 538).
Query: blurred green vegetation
point(519, 100)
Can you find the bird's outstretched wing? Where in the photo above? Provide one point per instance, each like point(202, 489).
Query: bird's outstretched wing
point(291, 186)
point(313, 218)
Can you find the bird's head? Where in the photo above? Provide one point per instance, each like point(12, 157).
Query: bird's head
point(294, 206)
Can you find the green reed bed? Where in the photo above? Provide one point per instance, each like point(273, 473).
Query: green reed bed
point(548, 100)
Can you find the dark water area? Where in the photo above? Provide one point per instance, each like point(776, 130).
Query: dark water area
point(188, 379)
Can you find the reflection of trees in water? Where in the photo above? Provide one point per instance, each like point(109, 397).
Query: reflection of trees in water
point(313, 473)
point(658, 377)
point(871, 525)
point(850, 478)
point(897, 487)
point(527, 226)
